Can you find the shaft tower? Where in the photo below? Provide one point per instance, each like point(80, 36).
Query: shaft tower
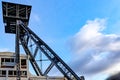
point(16, 18)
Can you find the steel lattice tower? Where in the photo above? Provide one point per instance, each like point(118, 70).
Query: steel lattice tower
point(16, 19)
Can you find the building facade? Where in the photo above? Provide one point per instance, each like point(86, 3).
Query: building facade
point(8, 68)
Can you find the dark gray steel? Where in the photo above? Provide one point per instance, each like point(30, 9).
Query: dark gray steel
point(17, 51)
point(36, 50)
point(13, 12)
point(51, 55)
point(31, 58)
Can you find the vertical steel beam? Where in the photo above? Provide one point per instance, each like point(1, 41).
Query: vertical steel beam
point(17, 51)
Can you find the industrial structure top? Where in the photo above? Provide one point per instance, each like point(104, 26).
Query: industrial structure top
point(13, 12)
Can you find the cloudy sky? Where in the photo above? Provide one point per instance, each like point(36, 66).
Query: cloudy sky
point(84, 33)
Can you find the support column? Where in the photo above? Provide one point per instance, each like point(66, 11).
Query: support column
point(17, 51)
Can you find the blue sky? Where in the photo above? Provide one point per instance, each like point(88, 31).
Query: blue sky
point(64, 23)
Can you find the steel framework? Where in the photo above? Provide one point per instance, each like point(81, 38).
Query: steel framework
point(16, 21)
point(12, 13)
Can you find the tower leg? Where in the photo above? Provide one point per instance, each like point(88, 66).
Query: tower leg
point(17, 51)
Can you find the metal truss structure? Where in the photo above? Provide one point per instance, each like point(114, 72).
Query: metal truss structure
point(16, 18)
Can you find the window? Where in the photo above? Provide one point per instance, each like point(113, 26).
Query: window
point(23, 73)
point(10, 73)
point(7, 59)
point(2, 60)
point(3, 72)
point(12, 59)
point(0, 72)
point(23, 63)
point(15, 73)
point(7, 62)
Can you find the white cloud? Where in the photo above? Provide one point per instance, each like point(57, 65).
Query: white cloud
point(89, 33)
point(115, 68)
point(95, 51)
